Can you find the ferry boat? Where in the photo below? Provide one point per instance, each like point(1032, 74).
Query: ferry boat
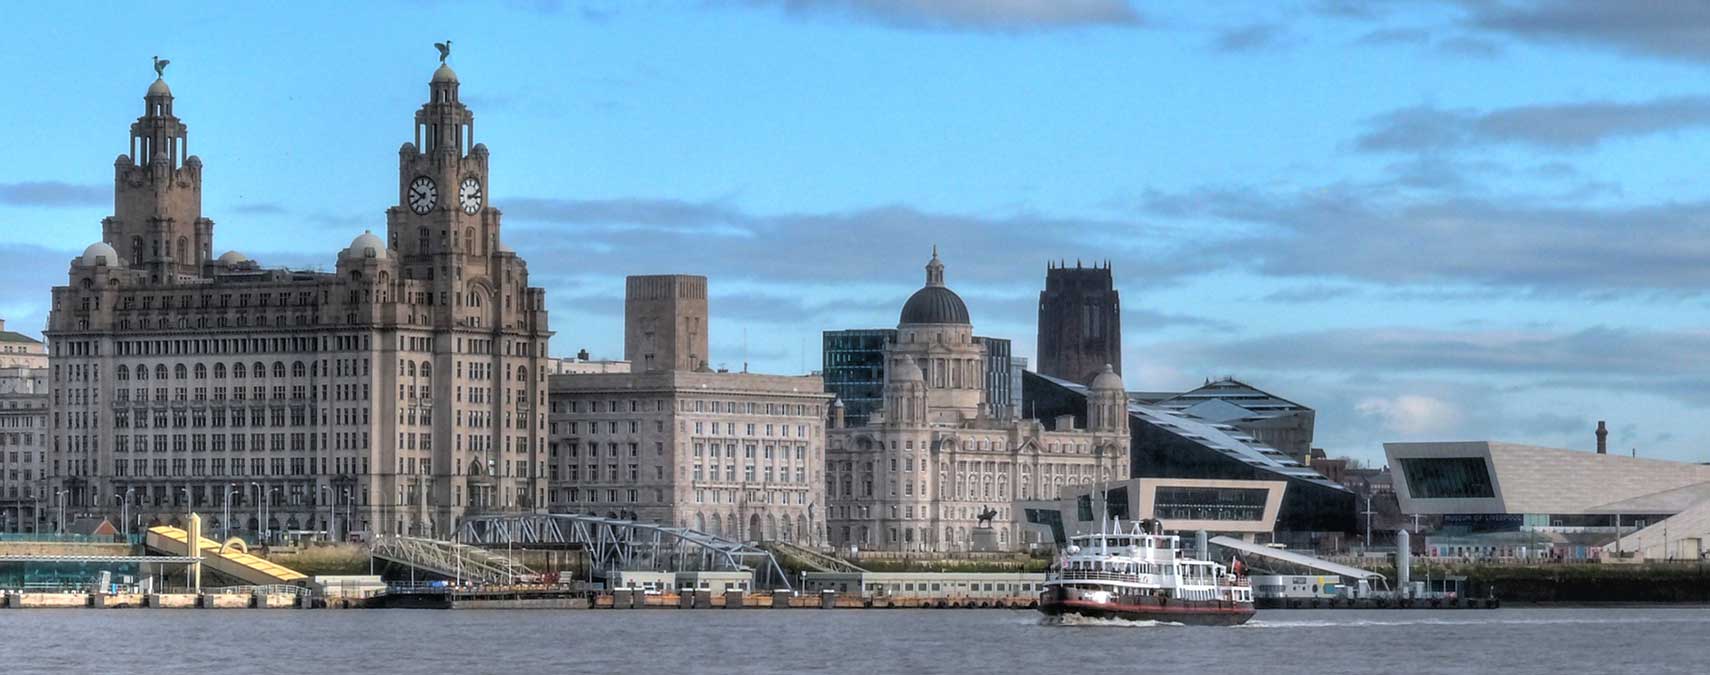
point(1143, 575)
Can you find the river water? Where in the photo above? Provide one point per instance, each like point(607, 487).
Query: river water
point(870, 642)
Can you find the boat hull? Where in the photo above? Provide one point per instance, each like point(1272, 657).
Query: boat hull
point(1059, 601)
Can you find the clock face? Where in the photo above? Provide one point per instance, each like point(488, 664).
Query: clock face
point(423, 195)
point(469, 195)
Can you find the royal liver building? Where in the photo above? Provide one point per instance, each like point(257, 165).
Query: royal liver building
point(393, 395)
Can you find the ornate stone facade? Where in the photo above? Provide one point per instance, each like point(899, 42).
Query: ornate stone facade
point(918, 474)
point(23, 449)
point(737, 455)
point(402, 390)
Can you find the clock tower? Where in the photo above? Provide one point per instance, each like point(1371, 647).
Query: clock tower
point(465, 297)
point(157, 222)
point(442, 187)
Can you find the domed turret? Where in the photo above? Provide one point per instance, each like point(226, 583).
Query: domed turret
point(365, 245)
point(445, 74)
point(159, 88)
point(98, 254)
point(233, 258)
point(905, 370)
point(934, 303)
point(1107, 380)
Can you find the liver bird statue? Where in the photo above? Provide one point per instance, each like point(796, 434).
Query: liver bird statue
point(160, 66)
point(444, 49)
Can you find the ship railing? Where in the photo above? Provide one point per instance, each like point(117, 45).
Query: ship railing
point(1083, 575)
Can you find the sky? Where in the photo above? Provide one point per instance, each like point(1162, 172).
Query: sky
point(1428, 220)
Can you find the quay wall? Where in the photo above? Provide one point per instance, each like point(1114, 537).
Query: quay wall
point(34, 548)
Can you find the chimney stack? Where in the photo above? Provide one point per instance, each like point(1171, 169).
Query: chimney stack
point(1602, 438)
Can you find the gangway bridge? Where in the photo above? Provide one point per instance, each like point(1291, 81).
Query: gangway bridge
point(1287, 557)
point(615, 544)
point(452, 560)
point(231, 558)
point(820, 562)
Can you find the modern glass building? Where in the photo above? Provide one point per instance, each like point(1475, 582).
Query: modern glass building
point(1001, 401)
point(854, 370)
point(1315, 512)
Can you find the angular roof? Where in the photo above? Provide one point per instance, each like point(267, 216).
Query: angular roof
point(15, 336)
point(1540, 480)
point(1234, 396)
point(1216, 437)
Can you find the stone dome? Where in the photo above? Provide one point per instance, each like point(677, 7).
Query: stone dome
point(233, 258)
point(365, 245)
point(1107, 380)
point(99, 253)
point(934, 302)
point(159, 88)
point(444, 74)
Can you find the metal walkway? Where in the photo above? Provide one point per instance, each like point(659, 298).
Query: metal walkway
point(232, 562)
point(100, 559)
point(820, 562)
point(626, 545)
point(451, 560)
point(1292, 558)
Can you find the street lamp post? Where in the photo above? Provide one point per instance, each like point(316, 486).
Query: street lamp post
point(59, 499)
point(258, 520)
point(125, 512)
point(267, 511)
point(1368, 521)
point(226, 518)
point(332, 511)
point(349, 505)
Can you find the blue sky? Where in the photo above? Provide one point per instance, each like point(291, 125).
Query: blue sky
point(1427, 219)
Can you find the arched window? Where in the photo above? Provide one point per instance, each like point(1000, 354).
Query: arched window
point(279, 369)
point(259, 369)
point(298, 369)
point(124, 373)
point(201, 371)
point(427, 370)
point(160, 371)
point(237, 370)
point(469, 240)
point(183, 250)
point(410, 368)
point(219, 371)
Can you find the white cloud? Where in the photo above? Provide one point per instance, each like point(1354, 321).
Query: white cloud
point(1412, 415)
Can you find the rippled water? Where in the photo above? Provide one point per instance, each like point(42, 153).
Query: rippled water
point(325, 642)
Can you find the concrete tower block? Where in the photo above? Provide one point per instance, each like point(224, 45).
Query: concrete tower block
point(665, 322)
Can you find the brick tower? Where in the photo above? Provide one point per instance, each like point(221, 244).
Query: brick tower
point(1080, 322)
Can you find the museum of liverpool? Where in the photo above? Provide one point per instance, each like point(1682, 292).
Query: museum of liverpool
point(1510, 501)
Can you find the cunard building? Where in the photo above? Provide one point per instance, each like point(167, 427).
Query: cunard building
point(923, 468)
point(393, 395)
